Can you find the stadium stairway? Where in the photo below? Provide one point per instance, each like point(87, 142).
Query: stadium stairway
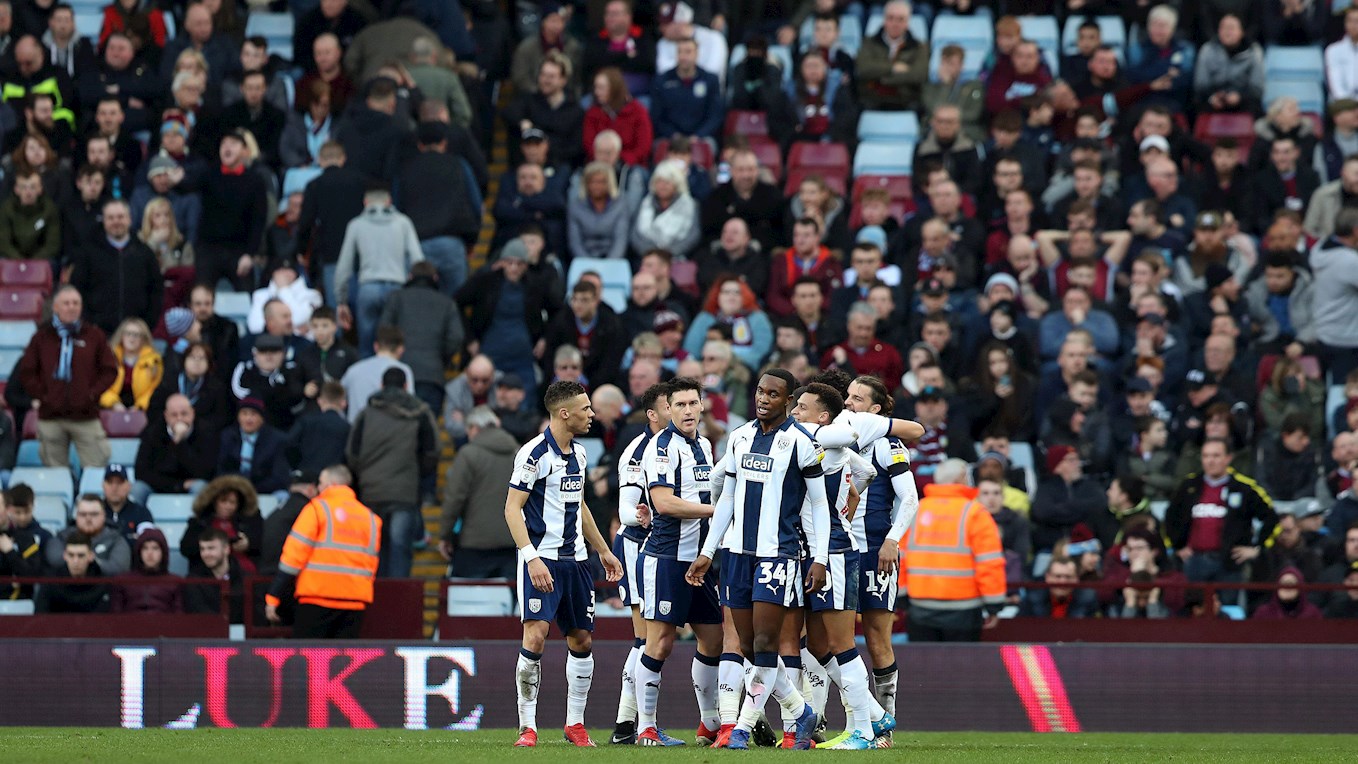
point(429, 564)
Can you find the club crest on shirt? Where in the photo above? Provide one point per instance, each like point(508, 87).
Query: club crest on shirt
point(783, 443)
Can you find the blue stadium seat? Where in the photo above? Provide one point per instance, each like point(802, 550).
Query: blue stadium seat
point(1310, 95)
point(9, 357)
point(174, 533)
point(46, 481)
point(51, 512)
point(969, 31)
point(233, 305)
point(272, 26)
point(884, 158)
point(16, 334)
point(888, 126)
point(1042, 30)
point(267, 504)
point(616, 297)
point(480, 600)
point(88, 24)
point(123, 451)
point(615, 273)
point(850, 33)
point(1111, 27)
point(28, 455)
point(170, 507)
point(1304, 62)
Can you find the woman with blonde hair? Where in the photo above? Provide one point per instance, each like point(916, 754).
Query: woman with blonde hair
point(160, 232)
point(140, 368)
point(668, 218)
point(597, 220)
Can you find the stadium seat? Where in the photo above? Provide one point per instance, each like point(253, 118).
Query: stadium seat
point(1043, 31)
point(233, 305)
point(295, 180)
point(267, 504)
point(746, 123)
point(884, 158)
point(702, 153)
point(1335, 400)
point(1113, 33)
point(818, 155)
point(850, 34)
point(684, 274)
point(9, 357)
point(46, 481)
point(123, 451)
point(123, 424)
point(20, 304)
point(88, 24)
point(271, 26)
point(1301, 62)
point(616, 297)
point(888, 126)
point(27, 273)
point(51, 512)
point(968, 31)
point(16, 607)
point(92, 479)
point(614, 273)
point(835, 178)
point(16, 334)
point(170, 507)
point(1309, 94)
point(897, 185)
point(28, 455)
point(480, 600)
point(174, 533)
point(770, 155)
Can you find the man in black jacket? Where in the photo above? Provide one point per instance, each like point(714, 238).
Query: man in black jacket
point(214, 549)
point(232, 227)
point(277, 526)
point(218, 333)
point(433, 190)
point(118, 276)
point(372, 135)
point(1210, 519)
point(173, 458)
point(328, 204)
point(1065, 498)
point(254, 113)
point(432, 326)
point(77, 563)
point(264, 464)
point(274, 380)
point(592, 327)
point(746, 197)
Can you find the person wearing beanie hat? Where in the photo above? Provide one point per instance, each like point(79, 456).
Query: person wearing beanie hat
point(1065, 498)
point(179, 323)
point(254, 449)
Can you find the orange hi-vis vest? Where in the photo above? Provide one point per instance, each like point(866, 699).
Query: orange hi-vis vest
point(332, 549)
point(953, 556)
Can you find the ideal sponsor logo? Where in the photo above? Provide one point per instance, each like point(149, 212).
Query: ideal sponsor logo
point(702, 473)
point(572, 484)
point(757, 468)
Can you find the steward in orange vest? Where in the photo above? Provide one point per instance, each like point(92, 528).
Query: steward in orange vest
point(329, 562)
point(953, 570)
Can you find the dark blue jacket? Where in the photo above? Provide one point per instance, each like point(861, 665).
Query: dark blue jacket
point(268, 467)
point(317, 440)
point(126, 521)
point(1037, 603)
point(695, 108)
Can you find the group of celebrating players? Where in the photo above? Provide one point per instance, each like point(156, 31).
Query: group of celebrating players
point(808, 507)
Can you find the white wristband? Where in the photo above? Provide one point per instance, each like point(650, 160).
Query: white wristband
point(529, 553)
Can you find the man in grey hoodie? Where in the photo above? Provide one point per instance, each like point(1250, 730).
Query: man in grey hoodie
point(385, 245)
point(391, 447)
point(1334, 262)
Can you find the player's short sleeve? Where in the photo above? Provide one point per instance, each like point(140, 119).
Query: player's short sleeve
point(892, 456)
point(525, 470)
point(870, 427)
point(661, 463)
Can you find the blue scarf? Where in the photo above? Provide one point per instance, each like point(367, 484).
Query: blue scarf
point(67, 333)
point(190, 388)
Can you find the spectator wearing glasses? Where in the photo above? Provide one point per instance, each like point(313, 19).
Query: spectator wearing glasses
point(107, 545)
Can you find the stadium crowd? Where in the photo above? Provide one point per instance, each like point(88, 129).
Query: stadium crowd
point(1117, 277)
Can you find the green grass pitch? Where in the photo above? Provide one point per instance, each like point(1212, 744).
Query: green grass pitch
point(207, 746)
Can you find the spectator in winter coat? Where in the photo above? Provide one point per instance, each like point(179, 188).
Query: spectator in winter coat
point(430, 323)
point(551, 38)
point(318, 437)
point(119, 275)
point(892, 65)
point(328, 204)
point(30, 224)
point(254, 449)
point(668, 218)
point(177, 454)
point(482, 547)
point(140, 368)
point(1281, 303)
point(615, 109)
point(159, 590)
point(1288, 601)
point(1327, 200)
point(273, 380)
point(372, 134)
point(1065, 498)
point(1010, 87)
point(1229, 75)
point(1334, 262)
point(76, 561)
point(1161, 54)
point(621, 44)
point(735, 252)
point(228, 504)
point(551, 109)
point(437, 190)
point(65, 368)
point(287, 285)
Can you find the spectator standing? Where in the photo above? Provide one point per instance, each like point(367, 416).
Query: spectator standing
point(158, 590)
point(364, 379)
point(431, 328)
point(330, 201)
point(220, 335)
point(335, 17)
point(687, 100)
point(1334, 263)
point(380, 246)
point(1341, 59)
point(1327, 200)
point(393, 445)
point(372, 134)
point(1065, 498)
point(436, 189)
point(471, 388)
point(277, 526)
point(65, 368)
point(176, 455)
point(318, 437)
point(438, 84)
point(234, 210)
point(254, 450)
point(551, 38)
point(120, 276)
point(892, 66)
point(1015, 531)
point(551, 109)
point(254, 113)
point(229, 504)
point(332, 586)
point(956, 593)
point(482, 546)
point(78, 562)
point(1210, 518)
point(106, 544)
